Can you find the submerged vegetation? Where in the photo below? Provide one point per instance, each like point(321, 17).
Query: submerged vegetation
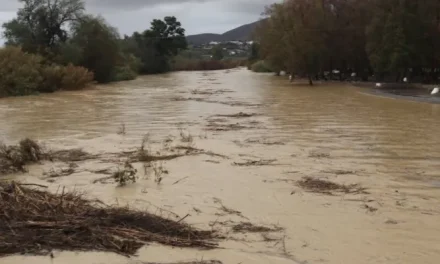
point(15, 158)
point(328, 187)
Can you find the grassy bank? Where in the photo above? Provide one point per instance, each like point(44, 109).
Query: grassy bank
point(24, 74)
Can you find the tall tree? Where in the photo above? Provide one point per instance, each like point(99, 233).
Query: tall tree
point(217, 52)
point(159, 44)
point(395, 42)
point(270, 34)
point(99, 44)
point(40, 25)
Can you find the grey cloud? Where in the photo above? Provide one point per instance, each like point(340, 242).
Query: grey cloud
point(250, 6)
point(238, 6)
point(9, 5)
point(197, 16)
point(135, 4)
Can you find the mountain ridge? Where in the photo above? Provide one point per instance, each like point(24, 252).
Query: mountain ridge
point(242, 33)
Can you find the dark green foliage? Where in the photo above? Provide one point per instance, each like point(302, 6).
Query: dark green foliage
point(217, 53)
point(392, 38)
point(39, 25)
point(129, 68)
point(261, 66)
point(99, 45)
point(157, 45)
point(255, 52)
point(64, 36)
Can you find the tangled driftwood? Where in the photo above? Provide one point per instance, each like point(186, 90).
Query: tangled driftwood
point(35, 222)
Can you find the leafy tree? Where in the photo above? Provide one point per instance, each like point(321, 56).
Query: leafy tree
point(217, 53)
point(99, 45)
point(40, 24)
point(271, 35)
point(394, 37)
point(254, 55)
point(157, 45)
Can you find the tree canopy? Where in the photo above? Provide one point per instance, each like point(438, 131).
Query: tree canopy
point(389, 38)
point(156, 45)
point(41, 25)
point(63, 33)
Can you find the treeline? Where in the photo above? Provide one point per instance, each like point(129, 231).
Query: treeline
point(60, 46)
point(382, 40)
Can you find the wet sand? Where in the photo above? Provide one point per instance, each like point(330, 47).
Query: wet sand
point(332, 132)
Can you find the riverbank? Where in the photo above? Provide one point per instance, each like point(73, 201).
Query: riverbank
point(29, 74)
point(411, 92)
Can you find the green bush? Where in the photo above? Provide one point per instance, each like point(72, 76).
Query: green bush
point(23, 74)
point(124, 73)
point(129, 68)
point(19, 72)
point(261, 66)
point(75, 78)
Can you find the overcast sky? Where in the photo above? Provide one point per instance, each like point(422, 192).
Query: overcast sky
point(197, 16)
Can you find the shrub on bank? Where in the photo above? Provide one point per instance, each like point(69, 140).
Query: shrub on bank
point(124, 73)
point(19, 72)
point(75, 78)
point(205, 65)
point(129, 68)
point(24, 74)
point(261, 66)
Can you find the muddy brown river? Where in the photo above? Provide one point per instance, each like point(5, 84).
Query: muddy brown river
point(334, 132)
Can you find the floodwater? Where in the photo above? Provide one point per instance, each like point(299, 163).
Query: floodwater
point(334, 132)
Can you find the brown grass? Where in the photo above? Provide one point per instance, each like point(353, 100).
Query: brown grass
point(226, 210)
point(192, 262)
point(205, 100)
point(216, 126)
point(75, 78)
point(247, 227)
point(238, 115)
point(72, 155)
point(255, 163)
point(328, 187)
point(33, 221)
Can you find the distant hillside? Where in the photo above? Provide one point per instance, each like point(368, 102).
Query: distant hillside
point(241, 33)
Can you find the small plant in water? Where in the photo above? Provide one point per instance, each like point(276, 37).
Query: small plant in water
point(203, 136)
point(146, 165)
point(186, 137)
point(158, 172)
point(167, 142)
point(143, 151)
point(125, 175)
point(121, 130)
point(145, 141)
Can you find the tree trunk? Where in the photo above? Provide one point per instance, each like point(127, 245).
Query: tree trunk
point(310, 80)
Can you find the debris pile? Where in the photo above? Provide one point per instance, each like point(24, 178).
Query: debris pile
point(15, 158)
point(33, 221)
